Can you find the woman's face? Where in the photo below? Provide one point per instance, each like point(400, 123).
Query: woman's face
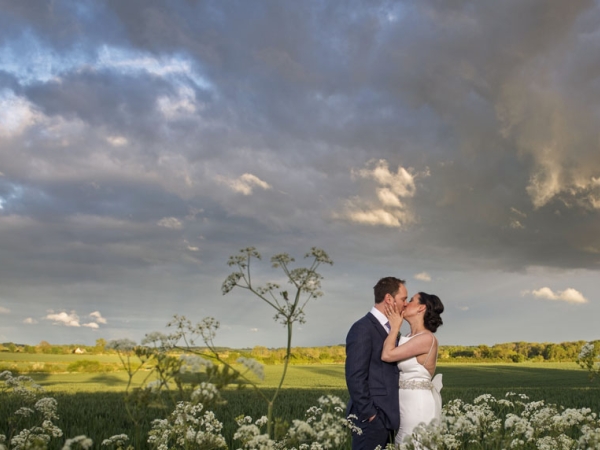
point(413, 306)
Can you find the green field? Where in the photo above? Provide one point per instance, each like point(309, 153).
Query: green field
point(92, 404)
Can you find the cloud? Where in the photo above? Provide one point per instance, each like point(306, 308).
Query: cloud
point(399, 184)
point(423, 276)
point(93, 325)
point(117, 141)
point(254, 330)
point(569, 295)
point(516, 225)
point(388, 206)
point(375, 216)
point(98, 317)
point(170, 222)
point(4, 310)
point(62, 318)
point(245, 184)
point(434, 134)
point(16, 115)
point(30, 321)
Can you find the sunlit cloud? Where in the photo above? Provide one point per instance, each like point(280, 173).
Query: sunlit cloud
point(170, 222)
point(245, 184)
point(30, 321)
point(62, 318)
point(4, 310)
point(376, 216)
point(181, 105)
point(423, 276)
point(400, 184)
point(93, 325)
point(254, 330)
point(569, 295)
point(516, 225)
point(16, 114)
point(132, 61)
point(98, 317)
point(387, 206)
point(117, 141)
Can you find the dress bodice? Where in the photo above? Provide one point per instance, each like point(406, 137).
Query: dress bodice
point(419, 396)
point(411, 369)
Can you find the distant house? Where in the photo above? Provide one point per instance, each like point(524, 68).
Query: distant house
point(79, 351)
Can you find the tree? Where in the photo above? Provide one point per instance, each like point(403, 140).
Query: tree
point(44, 347)
point(306, 285)
point(100, 345)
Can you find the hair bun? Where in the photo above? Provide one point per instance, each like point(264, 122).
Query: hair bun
point(433, 308)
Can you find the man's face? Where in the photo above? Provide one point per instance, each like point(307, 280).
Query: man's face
point(400, 298)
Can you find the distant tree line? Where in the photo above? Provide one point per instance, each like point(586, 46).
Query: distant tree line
point(509, 352)
point(512, 352)
point(45, 347)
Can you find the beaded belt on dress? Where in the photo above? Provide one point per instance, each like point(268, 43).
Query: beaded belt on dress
point(415, 384)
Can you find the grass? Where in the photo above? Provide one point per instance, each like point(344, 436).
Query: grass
point(92, 404)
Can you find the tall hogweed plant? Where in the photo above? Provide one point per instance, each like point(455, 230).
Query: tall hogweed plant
point(289, 306)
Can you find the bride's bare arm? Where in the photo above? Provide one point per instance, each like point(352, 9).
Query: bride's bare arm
point(419, 345)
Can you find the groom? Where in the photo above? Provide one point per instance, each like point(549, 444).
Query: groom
point(372, 383)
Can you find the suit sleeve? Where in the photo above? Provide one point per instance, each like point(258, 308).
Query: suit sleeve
point(358, 359)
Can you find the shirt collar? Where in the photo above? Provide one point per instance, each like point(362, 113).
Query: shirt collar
point(379, 316)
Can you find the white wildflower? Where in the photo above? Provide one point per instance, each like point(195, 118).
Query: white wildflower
point(119, 440)
point(24, 411)
point(587, 350)
point(187, 424)
point(156, 385)
point(124, 345)
point(205, 393)
point(47, 406)
point(194, 363)
point(82, 441)
point(253, 365)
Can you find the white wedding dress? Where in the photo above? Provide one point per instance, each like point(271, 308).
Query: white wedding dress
point(419, 395)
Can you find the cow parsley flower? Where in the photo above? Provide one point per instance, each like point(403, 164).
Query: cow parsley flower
point(253, 365)
point(82, 442)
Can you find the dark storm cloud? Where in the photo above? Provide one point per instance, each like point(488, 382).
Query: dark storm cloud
point(496, 99)
point(122, 103)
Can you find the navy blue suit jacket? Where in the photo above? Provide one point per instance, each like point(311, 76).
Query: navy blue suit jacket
point(372, 383)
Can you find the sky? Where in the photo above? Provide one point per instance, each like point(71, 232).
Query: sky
point(455, 145)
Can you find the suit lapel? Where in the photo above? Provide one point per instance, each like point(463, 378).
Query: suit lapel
point(377, 325)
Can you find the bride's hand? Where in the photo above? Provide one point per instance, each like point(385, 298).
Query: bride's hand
point(392, 314)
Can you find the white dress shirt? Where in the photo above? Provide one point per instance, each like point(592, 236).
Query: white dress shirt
point(381, 318)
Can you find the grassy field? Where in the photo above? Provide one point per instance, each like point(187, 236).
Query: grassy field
point(92, 404)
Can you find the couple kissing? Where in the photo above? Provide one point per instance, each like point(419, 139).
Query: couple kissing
point(389, 376)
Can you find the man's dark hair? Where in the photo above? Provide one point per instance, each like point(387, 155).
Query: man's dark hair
point(387, 285)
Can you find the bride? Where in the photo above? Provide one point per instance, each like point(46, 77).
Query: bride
point(420, 400)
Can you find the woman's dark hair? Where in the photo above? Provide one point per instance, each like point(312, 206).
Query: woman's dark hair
point(433, 309)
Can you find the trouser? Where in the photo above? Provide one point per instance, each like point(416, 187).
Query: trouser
point(374, 433)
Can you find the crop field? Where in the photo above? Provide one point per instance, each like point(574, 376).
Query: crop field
point(93, 403)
